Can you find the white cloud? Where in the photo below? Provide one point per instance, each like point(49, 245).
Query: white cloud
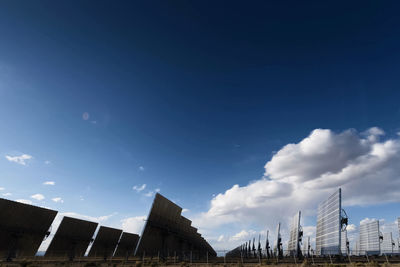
point(2, 188)
point(49, 183)
point(138, 188)
point(19, 159)
point(38, 197)
point(47, 162)
point(185, 210)
point(7, 194)
point(133, 224)
point(152, 193)
point(149, 194)
point(25, 201)
point(301, 175)
point(141, 168)
point(58, 200)
point(243, 235)
point(220, 238)
point(351, 228)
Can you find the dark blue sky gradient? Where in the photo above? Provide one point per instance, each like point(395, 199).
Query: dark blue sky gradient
point(199, 93)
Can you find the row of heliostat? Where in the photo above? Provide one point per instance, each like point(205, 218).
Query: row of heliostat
point(23, 228)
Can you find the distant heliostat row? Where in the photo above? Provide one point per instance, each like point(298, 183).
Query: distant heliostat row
point(331, 237)
point(166, 233)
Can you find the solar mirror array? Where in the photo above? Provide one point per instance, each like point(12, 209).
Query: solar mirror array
point(22, 228)
point(388, 244)
point(126, 245)
point(278, 242)
point(398, 240)
point(105, 243)
point(328, 236)
point(295, 236)
point(369, 239)
point(167, 233)
point(72, 238)
point(344, 243)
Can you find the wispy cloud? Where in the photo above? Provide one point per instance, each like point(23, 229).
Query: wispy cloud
point(47, 162)
point(49, 183)
point(133, 224)
point(151, 193)
point(58, 200)
point(24, 201)
point(2, 188)
point(38, 197)
point(19, 159)
point(141, 168)
point(7, 194)
point(138, 188)
point(185, 210)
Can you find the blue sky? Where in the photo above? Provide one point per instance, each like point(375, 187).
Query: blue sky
point(191, 99)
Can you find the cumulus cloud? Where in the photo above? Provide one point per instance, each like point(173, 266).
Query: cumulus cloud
point(133, 224)
point(19, 159)
point(138, 188)
point(58, 200)
point(49, 183)
point(351, 228)
point(243, 235)
point(301, 175)
point(185, 210)
point(38, 197)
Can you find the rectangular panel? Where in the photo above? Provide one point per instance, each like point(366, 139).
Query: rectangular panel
point(369, 238)
point(72, 238)
point(328, 237)
point(22, 228)
point(387, 243)
point(343, 245)
point(293, 244)
point(105, 242)
point(278, 240)
point(398, 225)
point(126, 245)
point(166, 232)
point(356, 248)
